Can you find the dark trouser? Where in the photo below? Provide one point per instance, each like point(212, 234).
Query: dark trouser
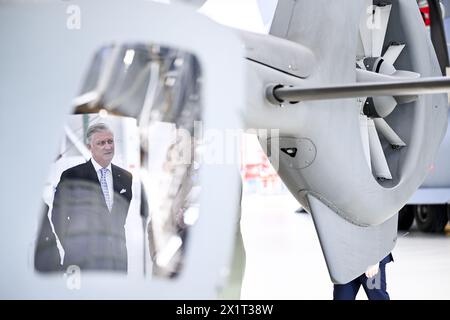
point(374, 287)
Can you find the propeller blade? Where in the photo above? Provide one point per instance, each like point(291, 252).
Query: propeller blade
point(381, 19)
point(366, 25)
point(383, 127)
point(387, 68)
point(384, 105)
point(369, 76)
point(393, 52)
point(405, 99)
point(398, 75)
point(365, 138)
point(404, 75)
point(380, 168)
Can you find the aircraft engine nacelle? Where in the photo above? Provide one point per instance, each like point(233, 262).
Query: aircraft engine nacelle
point(352, 162)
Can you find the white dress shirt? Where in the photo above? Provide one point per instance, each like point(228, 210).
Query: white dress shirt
point(109, 179)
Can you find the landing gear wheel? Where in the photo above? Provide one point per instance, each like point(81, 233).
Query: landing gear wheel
point(431, 218)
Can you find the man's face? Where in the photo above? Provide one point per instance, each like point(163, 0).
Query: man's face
point(102, 147)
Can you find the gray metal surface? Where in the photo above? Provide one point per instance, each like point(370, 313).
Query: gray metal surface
point(291, 58)
point(349, 249)
point(439, 175)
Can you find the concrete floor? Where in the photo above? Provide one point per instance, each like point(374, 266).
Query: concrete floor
point(284, 259)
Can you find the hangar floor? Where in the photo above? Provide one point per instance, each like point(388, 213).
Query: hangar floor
point(284, 259)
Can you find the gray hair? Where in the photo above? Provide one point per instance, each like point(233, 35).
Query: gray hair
point(94, 129)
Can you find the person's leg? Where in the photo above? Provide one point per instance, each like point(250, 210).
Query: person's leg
point(375, 287)
point(346, 291)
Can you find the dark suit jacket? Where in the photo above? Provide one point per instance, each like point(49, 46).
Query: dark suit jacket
point(92, 237)
point(46, 254)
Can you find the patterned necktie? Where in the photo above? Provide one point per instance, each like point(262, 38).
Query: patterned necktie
point(104, 185)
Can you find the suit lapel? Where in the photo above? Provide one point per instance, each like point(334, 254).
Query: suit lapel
point(116, 179)
point(117, 182)
point(92, 174)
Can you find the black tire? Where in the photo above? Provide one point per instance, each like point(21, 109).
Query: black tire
point(431, 218)
point(406, 217)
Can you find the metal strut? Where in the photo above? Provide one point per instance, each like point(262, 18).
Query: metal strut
point(277, 93)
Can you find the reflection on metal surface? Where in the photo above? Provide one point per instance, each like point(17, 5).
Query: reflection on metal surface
point(81, 225)
point(160, 88)
point(147, 82)
point(168, 229)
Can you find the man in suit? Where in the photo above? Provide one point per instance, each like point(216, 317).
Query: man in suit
point(373, 282)
point(90, 208)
